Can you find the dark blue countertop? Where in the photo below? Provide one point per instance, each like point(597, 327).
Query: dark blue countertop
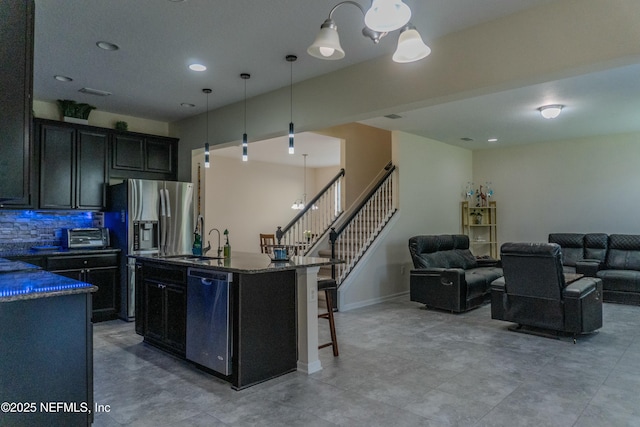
point(21, 281)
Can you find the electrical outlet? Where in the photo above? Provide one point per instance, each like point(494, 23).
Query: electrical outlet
point(312, 295)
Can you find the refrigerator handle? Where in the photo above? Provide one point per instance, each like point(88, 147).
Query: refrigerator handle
point(163, 209)
point(168, 202)
point(163, 222)
point(167, 221)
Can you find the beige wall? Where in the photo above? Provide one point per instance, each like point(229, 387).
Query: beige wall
point(364, 152)
point(249, 198)
point(322, 176)
point(51, 111)
point(582, 185)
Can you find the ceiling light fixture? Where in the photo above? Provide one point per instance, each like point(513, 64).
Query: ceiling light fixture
point(550, 111)
point(410, 48)
point(62, 78)
point(492, 140)
point(107, 46)
point(387, 15)
point(382, 17)
point(197, 67)
point(291, 59)
point(245, 143)
point(207, 164)
point(187, 105)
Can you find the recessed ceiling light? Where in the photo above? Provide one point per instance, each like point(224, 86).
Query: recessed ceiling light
point(107, 46)
point(467, 139)
point(186, 104)
point(197, 67)
point(492, 140)
point(393, 116)
point(62, 78)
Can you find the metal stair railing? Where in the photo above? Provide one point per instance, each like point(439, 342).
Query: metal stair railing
point(350, 241)
point(315, 219)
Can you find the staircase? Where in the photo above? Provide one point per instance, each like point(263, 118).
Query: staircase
point(350, 235)
point(356, 232)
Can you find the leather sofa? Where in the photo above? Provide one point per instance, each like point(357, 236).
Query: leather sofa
point(581, 251)
point(614, 258)
point(535, 294)
point(447, 276)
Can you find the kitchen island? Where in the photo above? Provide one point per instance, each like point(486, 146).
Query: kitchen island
point(272, 322)
point(46, 341)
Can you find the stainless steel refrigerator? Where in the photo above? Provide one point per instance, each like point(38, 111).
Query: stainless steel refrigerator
point(148, 217)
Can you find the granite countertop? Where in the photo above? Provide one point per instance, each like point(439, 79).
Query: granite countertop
point(241, 262)
point(22, 281)
point(55, 250)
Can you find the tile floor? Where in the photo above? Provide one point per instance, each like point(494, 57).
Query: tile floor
point(399, 365)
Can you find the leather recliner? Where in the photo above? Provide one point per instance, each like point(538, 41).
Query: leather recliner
point(533, 291)
point(447, 275)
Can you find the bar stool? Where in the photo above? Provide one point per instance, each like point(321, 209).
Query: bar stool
point(328, 285)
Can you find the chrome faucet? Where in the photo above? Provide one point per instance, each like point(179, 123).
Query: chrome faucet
point(209, 243)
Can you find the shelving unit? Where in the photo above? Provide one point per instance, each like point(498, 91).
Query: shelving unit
point(483, 239)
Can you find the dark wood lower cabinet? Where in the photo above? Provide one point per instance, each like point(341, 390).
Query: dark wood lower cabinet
point(262, 314)
point(99, 269)
point(104, 300)
point(47, 357)
point(164, 309)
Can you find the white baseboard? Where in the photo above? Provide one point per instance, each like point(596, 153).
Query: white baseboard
point(372, 301)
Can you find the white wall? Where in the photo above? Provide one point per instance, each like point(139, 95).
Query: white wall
point(249, 198)
point(431, 175)
point(582, 185)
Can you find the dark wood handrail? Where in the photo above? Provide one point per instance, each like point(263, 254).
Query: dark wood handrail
point(281, 231)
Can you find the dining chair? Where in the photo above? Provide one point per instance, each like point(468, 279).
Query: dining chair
point(266, 243)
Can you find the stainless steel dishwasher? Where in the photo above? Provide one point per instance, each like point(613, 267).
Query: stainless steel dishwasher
point(208, 326)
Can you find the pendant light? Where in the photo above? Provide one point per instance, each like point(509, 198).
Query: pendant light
point(206, 144)
point(291, 59)
point(245, 144)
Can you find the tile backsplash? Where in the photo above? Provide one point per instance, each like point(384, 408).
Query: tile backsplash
point(23, 229)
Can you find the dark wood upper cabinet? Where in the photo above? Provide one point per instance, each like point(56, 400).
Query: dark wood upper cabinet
point(160, 156)
point(128, 152)
point(73, 167)
point(16, 88)
point(143, 156)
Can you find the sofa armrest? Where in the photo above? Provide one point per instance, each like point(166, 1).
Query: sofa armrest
point(488, 262)
point(498, 284)
point(580, 287)
point(588, 267)
point(444, 288)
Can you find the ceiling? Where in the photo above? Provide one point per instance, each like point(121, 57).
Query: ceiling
point(148, 76)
